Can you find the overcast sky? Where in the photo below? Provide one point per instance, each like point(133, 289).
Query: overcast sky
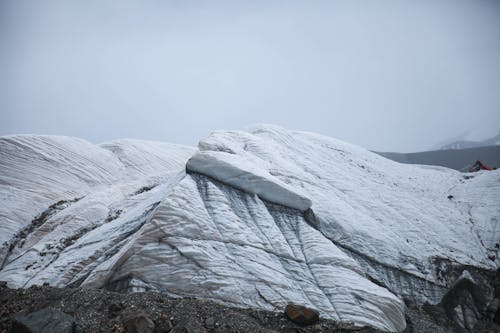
point(387, 75)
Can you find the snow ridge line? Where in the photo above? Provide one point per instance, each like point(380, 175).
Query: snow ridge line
point(236, 172)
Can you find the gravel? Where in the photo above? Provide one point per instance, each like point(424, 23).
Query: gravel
point(96, 310)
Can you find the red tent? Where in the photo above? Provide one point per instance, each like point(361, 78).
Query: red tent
point(479, 166)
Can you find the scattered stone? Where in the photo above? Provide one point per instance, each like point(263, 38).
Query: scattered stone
point(210, 322)
point(116, 307)
point(139, 323)
point(194, 328)
point(144, 189)
point(316, 328)
point(113, 215)
point(163, 324)
point(178, 329)
point(301, 315)
point(44, 321)
point(90, 309)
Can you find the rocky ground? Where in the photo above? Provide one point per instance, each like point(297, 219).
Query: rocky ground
point(95, 310)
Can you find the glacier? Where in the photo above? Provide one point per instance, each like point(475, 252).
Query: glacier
point(254, 218)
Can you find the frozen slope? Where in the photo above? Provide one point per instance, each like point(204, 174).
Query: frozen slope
point(148, 159)
point(245, 174)
point(213, 241)
point(397, 214)
point(57, 192)
point(396, 220)
point(36, 171)
point(262, 218)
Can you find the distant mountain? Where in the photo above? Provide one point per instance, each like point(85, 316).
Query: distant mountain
point(463, 144)
point(454, 158)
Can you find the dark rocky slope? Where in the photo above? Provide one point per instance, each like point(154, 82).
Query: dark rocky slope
point(97, 310)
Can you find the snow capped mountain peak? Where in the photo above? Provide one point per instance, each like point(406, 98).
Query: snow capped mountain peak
point(465, 142)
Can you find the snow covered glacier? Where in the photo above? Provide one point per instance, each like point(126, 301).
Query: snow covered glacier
point(253, 219)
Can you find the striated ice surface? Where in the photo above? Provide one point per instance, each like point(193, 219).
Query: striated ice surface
point(36, 171)
point(262, 218)
point(210, 240)
point(396, 214)
point(242, 173)
point(146, 159)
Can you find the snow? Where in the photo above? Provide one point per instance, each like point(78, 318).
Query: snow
point(248, 176)
point(143, 159)
point(395, 219)
point(399, 214)
point(263, 218)
point(39, 170)
point(220, 243)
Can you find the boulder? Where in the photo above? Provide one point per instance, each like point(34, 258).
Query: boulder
point(210, 323)
point(44, 321)
point(191, 327)
point(114, 309)
point(194, 327)
point(163, 324)
point(301, 315)
point(139, 323)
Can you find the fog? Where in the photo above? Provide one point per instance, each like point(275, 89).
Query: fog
point(387, 75)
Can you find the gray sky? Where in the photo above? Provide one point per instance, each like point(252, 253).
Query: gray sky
point(388, 75)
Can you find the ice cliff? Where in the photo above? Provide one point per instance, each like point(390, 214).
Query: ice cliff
point(251, 219)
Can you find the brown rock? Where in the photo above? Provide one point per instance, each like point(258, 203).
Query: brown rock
point(114, 308)
point(163, 324)
point(301, 315)
point(139, 323)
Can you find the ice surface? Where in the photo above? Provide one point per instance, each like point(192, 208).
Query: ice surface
point(397, 214)
point(36, 171)
point(210, 240)
point(145, 159)
point(248, 176)
point(262, 218)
